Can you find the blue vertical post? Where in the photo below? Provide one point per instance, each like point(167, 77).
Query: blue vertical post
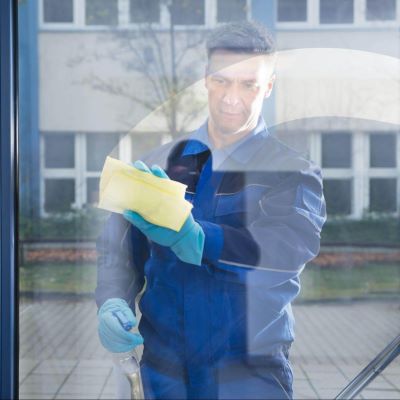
point(28, 128)
point(264, 11)
point(8, 201)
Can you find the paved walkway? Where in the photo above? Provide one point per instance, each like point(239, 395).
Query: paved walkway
point(61, 357)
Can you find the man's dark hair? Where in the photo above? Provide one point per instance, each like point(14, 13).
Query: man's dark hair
point(241, 37)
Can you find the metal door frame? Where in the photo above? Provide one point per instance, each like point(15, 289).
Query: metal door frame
point(9, 356)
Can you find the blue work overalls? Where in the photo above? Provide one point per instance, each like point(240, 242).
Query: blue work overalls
point(222, 329)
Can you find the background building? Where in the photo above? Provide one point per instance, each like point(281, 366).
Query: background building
point(99, 68)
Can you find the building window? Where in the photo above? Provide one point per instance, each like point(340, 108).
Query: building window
point(382, 150)
point(92, 190)
point(98, 147)
point(188, 12)
point(382, 194)
point(336, 150)
point(336, 12)
point(144, 11)
point(292, 10)
point(338, 194)
point(231, 10)
point(59, 151)
point(59, 195)
point(58, 11)
point(381, 10)
point(101, 12)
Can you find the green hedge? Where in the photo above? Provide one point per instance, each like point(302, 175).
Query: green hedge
point(371, 230)
point(78, 225)
point(87, 224)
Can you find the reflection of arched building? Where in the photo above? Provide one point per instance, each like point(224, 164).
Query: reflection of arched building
point(78, 124)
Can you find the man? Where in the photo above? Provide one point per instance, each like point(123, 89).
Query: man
point(216, 315)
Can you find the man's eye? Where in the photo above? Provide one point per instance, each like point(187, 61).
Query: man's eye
point(250, 85)
point(219, 81)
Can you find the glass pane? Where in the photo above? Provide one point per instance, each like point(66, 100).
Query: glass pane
point(144, 11)
point(98, 147)
point(336, 11)
point(381, 10)
point(292, 10)
point(92, 187)
point(186, 12)
point(101, 12)
point(382, 150)
point(336, 150)
point(338, 194)
point(59, 151)
point(229, 10)
point(383, 195)
point(59, 195)
point(58, 11)
point(252, 260)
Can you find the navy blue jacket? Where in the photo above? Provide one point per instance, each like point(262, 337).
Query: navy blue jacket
point(262, 209)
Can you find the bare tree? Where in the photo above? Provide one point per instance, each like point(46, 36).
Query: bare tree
point(165, 59)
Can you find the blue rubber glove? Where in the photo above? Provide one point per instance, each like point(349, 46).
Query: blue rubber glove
point(187, 244)
point(112, 334)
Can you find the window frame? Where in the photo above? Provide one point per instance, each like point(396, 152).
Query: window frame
point(79, 173)
point(360, 19)
point(78, 24)
point(360, 172)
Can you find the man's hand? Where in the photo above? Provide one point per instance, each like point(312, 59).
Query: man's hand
point(187, 244)
point(111, 332)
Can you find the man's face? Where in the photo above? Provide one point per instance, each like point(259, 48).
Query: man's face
point(237, 85)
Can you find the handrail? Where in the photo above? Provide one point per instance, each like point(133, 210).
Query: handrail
point(371, 371)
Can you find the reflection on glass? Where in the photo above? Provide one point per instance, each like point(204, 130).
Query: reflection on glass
point(185, 12)
point(144, 11)
point(92, 185)
point(59, 150)
point(383, 195)
point(58, 11)
point(113, 83)
point(229, 10)
point(382, 150)
point(101, 12)
point(381, 10)
point(98, 146)
point(336, 11)
point(336, 150)
point(59, 194)
point(292, 10)
point(338, 194)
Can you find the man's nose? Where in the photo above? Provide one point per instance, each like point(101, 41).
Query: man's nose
point(231, 96)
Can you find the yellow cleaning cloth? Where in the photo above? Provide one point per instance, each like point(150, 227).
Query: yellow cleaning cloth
point(159, 201)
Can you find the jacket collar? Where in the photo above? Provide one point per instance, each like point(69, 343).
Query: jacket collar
point(242, 150)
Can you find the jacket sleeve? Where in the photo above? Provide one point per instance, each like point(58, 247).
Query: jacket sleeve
point(280, 240)
point(122, 251)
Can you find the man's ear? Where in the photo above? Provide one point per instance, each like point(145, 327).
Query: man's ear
point(270, 85)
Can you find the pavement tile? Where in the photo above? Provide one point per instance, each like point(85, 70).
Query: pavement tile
point(55, 367)
point(380, 394)
point(394, 380)
point(39, 388)
point(84, 396)
point(327, 393)
point(304, 394)
point(76, 379)
point(106, 396)
point(81, 370)
point(26, 365)
point(45, 378)
point(82, 390)
point(301, 383)
point(23, 396)
point(95, 363)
